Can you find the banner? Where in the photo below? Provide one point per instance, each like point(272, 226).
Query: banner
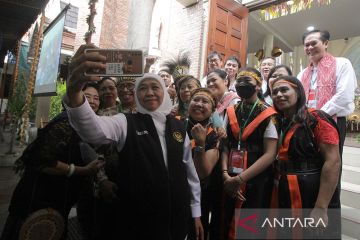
point(48, 66)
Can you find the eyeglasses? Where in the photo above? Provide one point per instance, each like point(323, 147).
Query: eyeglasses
point(214, 60)
point(165, 75)
point(129, 86)
point(110, 88)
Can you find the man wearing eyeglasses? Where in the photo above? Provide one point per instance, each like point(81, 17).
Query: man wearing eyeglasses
point(215, 61)
point(126, 87)
point(169, 83)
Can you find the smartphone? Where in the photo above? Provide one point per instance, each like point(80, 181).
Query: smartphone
point(119, 63)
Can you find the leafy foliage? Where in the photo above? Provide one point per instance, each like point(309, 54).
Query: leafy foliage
point(56, 101)
point(17, 100)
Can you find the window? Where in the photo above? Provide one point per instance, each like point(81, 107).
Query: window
point(71, 16)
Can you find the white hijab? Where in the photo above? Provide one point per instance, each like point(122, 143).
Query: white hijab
point(159, 115)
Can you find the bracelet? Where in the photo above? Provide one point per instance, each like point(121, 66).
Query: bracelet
point(225, 171)
point(71, 170)
point(199, 149)
point(241, 179)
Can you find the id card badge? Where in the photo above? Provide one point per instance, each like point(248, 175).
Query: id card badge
point(236, 161)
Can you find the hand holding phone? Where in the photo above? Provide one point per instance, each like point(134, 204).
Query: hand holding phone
point(119, 62)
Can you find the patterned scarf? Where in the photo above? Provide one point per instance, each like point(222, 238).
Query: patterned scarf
point(225, 101)
point(326, 80)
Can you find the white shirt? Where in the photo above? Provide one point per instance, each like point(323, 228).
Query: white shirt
point(342, 103)
point(203, 82)
point(270, 131)
point(102, 129)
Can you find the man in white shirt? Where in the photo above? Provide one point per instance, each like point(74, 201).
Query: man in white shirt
point(265, 66)
point(215, 61)
point(329, 82)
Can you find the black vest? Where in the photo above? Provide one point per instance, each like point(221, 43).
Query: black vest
point(258, 189)
point(155, 200)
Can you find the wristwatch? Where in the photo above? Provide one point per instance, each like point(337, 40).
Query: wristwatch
point(199, 149)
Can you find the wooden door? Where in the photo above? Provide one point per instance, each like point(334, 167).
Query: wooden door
point(228, 29)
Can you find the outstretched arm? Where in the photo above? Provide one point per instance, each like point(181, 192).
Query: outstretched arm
point(90, 127)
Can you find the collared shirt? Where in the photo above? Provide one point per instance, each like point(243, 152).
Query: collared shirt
point(100, 130)
point(342, 103)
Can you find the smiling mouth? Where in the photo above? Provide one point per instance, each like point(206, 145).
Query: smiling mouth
point(150, 100)
point(281, 101)
point(198, 110)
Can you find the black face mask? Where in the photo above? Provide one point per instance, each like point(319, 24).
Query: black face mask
point(245, 91)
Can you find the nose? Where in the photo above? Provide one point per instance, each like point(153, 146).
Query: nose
point(149, 92)
point(278, 94)
point(198, 104)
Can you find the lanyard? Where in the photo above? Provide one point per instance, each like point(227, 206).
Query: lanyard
point(282, 134)
point(244, 125)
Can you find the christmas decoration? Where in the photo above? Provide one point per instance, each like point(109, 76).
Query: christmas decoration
point(284, 9)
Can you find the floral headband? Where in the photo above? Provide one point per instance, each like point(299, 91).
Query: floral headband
point(251, 74)
point(284, 81)
point(204, 94)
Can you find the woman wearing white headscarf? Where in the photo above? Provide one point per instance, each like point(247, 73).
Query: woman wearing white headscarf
point(157, 184)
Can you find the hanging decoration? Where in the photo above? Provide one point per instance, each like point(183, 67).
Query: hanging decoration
point(90, 21)
point(276, 52)
point(31, 82)
point(284, 8)
point(16, 69)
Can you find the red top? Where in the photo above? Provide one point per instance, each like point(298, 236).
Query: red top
point(324, 132)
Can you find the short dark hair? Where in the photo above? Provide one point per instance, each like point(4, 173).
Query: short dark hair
point(268, 58)
point(324, 35)
point(91, 84)
point(221, 73)
point(107, 78)
point(233, 58)
point(214, 53)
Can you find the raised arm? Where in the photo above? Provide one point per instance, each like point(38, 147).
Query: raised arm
point(90, 127)
point(80, 63)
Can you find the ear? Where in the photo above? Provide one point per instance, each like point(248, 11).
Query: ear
point(226, 81)
point(326, 44)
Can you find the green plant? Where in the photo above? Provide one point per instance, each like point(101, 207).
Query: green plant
point(56, 101)
point(17, 99)
point(16, 105)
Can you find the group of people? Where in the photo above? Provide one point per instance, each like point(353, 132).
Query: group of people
point(181, 156)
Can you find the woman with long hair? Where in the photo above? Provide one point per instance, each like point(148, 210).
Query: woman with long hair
point(185, 87)
point(308, 160)
point(275, 72)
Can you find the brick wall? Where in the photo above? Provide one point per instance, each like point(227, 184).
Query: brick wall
point(182, 29)
point(115, 22)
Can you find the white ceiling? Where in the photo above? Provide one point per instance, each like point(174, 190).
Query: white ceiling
point(341, 18)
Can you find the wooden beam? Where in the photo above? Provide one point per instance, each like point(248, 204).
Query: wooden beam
point(18, 3)
point(263, 4)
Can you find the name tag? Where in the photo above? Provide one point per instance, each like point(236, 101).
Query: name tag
point(142, 133)
point(236, 161)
